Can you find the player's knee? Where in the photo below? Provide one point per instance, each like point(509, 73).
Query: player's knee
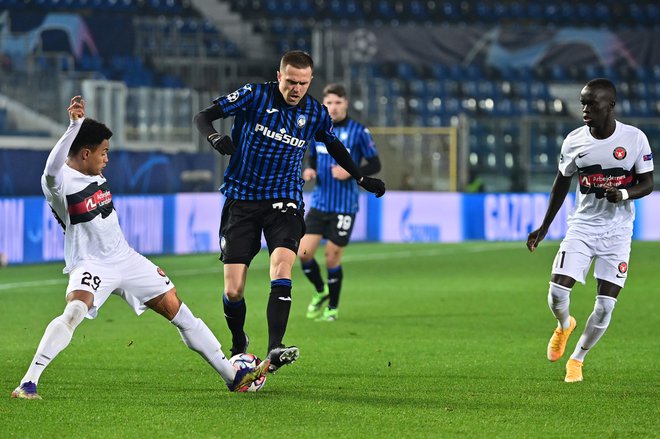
point(603, 309)
point(558, 295)
point(332, 260)
point(234, 294)
point(74, 313)
point(281, 270)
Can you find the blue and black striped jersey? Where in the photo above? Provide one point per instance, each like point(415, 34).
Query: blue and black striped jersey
point(330, 194)
point(271, 138)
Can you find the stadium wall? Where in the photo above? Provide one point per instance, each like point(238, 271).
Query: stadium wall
point(188, 222)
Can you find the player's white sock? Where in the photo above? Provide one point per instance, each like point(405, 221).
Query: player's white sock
point(597, 323)
point(198, 337)
point(56, 337)
point(559, 299)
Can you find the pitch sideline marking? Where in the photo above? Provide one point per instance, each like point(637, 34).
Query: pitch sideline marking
point(349, 258)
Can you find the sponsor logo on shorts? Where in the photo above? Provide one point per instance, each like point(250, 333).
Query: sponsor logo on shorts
point(162, 273)
point(619, 153)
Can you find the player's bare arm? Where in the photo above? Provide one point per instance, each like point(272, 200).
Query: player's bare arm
point(309, 174)
point(643, 187)
point(340, 173)
point(557, 196)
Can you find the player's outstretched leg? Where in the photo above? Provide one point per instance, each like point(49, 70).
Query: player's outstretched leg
point(557, 344)
point(57, 336)
point(245, 377)
point(281, 356)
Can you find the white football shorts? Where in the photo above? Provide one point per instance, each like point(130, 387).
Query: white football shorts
point(135, 279)
point(611, 251)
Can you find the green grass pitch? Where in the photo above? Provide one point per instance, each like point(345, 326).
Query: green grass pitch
point(432, 341)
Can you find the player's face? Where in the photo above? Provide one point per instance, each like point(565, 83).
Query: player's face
point(95, 160)
point(294, 83)
point(597, 106)
point(337, 106)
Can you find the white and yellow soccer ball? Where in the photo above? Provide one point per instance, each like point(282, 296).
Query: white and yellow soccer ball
point(246, 361)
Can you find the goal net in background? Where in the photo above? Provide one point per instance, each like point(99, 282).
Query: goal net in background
point(418, 158)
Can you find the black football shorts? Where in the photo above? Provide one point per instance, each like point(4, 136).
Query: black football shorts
point(335, 227)
point(280, 220)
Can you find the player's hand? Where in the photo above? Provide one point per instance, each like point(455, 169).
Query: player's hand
point(373, 185)
point(339, 173)
point(77, 108)
point(309, 174)
point(222, 143)
point(613, 195)
point(534, 238)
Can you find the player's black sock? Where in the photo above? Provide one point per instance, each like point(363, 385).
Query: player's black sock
point(235, 316)
point(313, 273)
point(335, 276)
point(279, 305)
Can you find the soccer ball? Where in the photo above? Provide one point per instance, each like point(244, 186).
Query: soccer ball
point(245, 361)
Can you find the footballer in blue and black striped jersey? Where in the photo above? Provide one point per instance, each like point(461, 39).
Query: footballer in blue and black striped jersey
point(334, 203)
point(340, 195)
point(274, 124)
point(271, 138)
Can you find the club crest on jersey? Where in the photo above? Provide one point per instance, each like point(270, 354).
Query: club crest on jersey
point(231, 97)
point(623, 267)
point(302, 120)
point(619, 153)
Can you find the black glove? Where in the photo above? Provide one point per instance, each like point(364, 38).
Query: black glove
point(222, 143)
point(373, 185)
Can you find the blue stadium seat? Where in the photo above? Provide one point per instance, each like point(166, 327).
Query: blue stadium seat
point(3, 120)
point(418, 10)
point(90, 63)
point(451, 10)
point(385, 10)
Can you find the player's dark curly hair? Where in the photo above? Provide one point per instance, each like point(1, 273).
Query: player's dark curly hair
point(298, 59)
point(335, 89)
point(90, 136)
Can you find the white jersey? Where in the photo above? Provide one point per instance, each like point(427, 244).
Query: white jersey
point(600, 164)
point(83, 206)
